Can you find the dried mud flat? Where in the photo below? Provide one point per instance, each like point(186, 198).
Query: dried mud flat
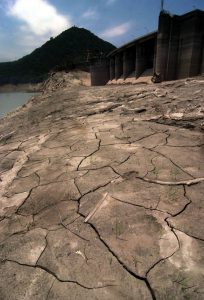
point(101, 194)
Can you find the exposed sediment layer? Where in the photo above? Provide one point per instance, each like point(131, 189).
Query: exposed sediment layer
point(128, 160)
point(29, 88)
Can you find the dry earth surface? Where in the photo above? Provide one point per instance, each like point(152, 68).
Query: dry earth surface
point(102, 194)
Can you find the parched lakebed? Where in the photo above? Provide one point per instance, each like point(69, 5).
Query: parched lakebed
point(101, 194)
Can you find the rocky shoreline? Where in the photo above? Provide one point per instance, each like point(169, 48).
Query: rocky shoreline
point(28, 88)
point(101, 193)
point(55, 81)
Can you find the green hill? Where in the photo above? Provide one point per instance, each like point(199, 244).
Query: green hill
point(66, 51)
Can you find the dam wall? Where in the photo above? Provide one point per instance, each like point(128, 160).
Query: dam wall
point(180, 45)
point(173, 52)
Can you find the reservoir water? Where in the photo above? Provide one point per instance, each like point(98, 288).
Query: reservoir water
point(10, 101)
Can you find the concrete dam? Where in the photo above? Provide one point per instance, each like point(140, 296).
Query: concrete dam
point(173, 52)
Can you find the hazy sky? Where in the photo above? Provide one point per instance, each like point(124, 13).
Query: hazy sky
point(27, 24)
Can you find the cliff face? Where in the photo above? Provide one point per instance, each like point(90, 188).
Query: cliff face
point(66, 51)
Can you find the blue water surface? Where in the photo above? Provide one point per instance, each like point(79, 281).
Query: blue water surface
point(10, 101)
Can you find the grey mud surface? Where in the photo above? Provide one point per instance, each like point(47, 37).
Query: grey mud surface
point(133, 157)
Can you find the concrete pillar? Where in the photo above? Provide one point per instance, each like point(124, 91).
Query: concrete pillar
point(163, 44)
point(173, 49)
point(197, 45)
point(112, 68)
point(129, 61)
point(190, 47)
point(202, 58)
point(100, 74)
point(202, 62)
point(118, 65)
point(140, 60)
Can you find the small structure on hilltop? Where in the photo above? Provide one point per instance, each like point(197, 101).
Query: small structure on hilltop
point(173, 52)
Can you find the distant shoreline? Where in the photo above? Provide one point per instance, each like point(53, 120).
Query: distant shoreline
point(27, 87)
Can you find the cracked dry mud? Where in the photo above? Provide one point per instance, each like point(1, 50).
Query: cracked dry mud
point(140, 146)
